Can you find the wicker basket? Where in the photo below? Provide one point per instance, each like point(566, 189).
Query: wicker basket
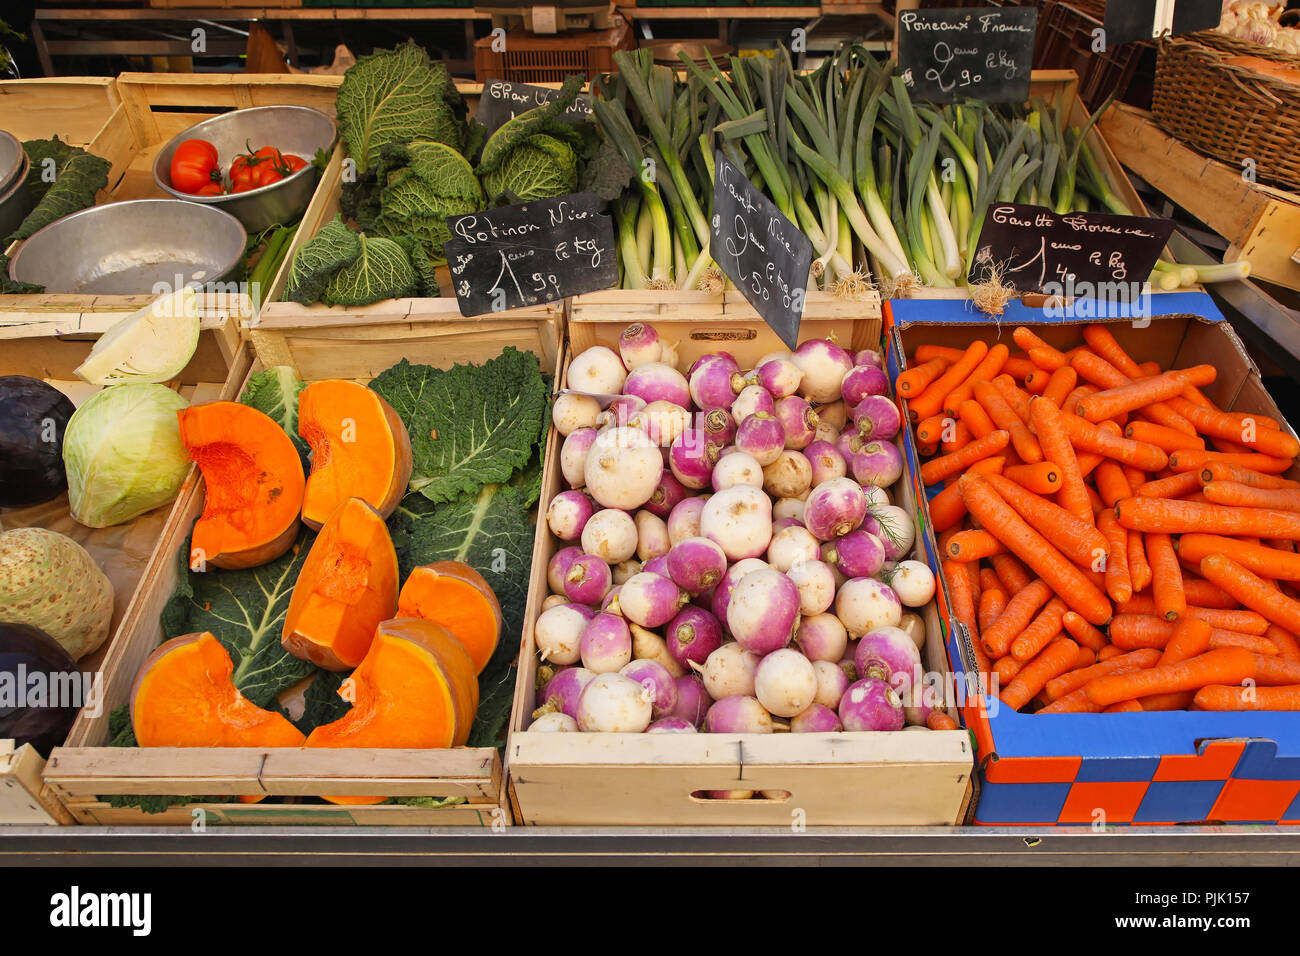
point(1228, 111)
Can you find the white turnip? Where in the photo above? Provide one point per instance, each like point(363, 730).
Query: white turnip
point(729, 671)
point(662, 422)
point(671, 725)
point(739, 519)
point(651, 536)
point(914, 626)
point(751, 400)
point(684, 520)
point(824, 365)
point(553, 723)
point(816, 583)
point(832, 682)
point(621, 572)
point(785, 683)
point(572, 411)
point(790, 546)
point(558, 633)
point(789, 476)
point(763, 611)
point(623, 468)
point(639, 344)
point(553, 600)
point(597, 370)
point(865, 604)
point(654, 677)
point(913, 582)
point(612, 703)
point(611, 535)
point(787, 508)
point(736, 469)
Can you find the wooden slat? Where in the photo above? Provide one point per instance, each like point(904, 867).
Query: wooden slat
point(21, 799)
point(73, 108)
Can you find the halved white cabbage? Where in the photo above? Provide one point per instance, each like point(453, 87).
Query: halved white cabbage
point(151, 345)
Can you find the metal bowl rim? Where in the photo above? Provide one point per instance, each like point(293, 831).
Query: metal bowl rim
point(24, 169)
point(24, 162)
point(227, 197)
point(91, 210)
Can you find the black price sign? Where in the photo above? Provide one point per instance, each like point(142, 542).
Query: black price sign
point(984, 53)
point(1087, 255)
point(530, 253)
point(760, 250)
point(1147, 19)
point(501, 102)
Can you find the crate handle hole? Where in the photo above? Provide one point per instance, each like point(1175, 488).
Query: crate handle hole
point(724, 335)
point(740, 796)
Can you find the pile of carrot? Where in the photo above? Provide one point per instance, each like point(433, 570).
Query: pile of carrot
point(1112, 540)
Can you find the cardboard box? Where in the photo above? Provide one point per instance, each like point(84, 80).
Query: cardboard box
point(1113, 769)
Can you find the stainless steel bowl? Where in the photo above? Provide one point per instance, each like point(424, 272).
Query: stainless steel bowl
point(291, 129)
point(16, 200)
point(12, 159)
point(132, 247)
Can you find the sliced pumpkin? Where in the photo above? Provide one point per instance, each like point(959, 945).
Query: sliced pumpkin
point(184, 696)
point(254, 485)
point(416, 689)
point(347, 585)
point(454, 595)
point(360, 449)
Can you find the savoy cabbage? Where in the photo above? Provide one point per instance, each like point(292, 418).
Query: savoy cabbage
point(534, 155)
point(339, 266)
point(422, 183)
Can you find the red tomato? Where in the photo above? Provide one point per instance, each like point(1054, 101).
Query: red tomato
point(211, 189)
point(194, 166)
point(262, 167)
point(294, 163)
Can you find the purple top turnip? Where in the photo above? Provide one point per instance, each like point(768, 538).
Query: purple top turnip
point(798, 421)
point(639, 345)
point(889, 654)
point(780, 377)
point(718, 426)
point(738, 715)
point(606, 643)
point(722, 593)
point(696, 564)
point(858, 554)
point(692, 458)
point(620, 412)
point(895, 529)
point(568, 513)
point(588, 579)
point(729, 671)
point(573, 456)
point(832, 682)
point(877, 418)
point(826, 462)
point(693, 701)
point(751, 400)
point(834, 508)
point(671, 725)
point(562, 691)
point(711, 381)
point(655, 678)
point(879, 463)
point(662, 422)
point(684, 521)
point(558, 567)
point(650, 600)
point(763, 611)
point(871, 704)
point(666, 495)
point(761, 436)
point(693, 635)
point(651, 536)
point(822, 638)
point(861, 381)
point(817, 719)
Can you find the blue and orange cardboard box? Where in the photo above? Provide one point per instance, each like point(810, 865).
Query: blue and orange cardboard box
point(1112, 769)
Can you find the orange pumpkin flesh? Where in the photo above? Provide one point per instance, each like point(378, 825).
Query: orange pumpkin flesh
point(183, 696)
point(254, 485)
point(347, 585)
point(416, 689)
point(456, 596)
point(360, 449)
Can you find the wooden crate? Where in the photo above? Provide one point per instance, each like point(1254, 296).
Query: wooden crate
point(84, 770)
point(45, 351)
point(1261, 223)
point(308, 336)
point(846, 779)
point(137, 115)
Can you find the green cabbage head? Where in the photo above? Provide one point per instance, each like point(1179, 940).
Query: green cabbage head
point(123, 453)
point(538, 168)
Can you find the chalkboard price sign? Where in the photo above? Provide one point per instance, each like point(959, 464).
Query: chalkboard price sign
point(760, 250)
point(502, 101)
point(1078, 254)
point(982, 53)
point(530, 253)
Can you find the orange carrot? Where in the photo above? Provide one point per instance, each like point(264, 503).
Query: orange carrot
point(1109, 651)
point(938, 469)
point(987, 370)
point(989, 580)
point(1166, 439)
point(973, 546)
point(1043, 478)
point(1131, 631)
point(1251, 590)
point(1047, 357)
point(1161, 702)
point(1005, 417)
point(1068, 683)
point(1077, 393)
point(1084, 434)
point(930, 431)
point(1166, 577)
point(1247, 622)
point(959, 438)
point(1013, 575)
point(1102, 342)
point(1084, 634)
point(914, 380)
point(1056, 447)
point(1222, 697)
point(1051, 662)
point(1228, 665)
point(1248, 496)
point(1275, 671)
point(1243, 430)
point(1071, 584)
point(1036, 381)
point(1139, 569)
point(972, 415)
point(1119, 585)
point(1100, 372)
point(1006, 669)
point(963, 604)
point(1174, 486)
point(1182, 517)
point(1016, 397)
point(1087, 657)
point(1018, 366)
point(1123, 707)
point(947, 507)
point(1191, 638)
point(930, 402)
point(1204, 594)
point(993, 601)
point(1112, 483)
point(1019, 611)
point(1060, 384)
point(938, 720)
point(927, 353)
point(1190, 460)
point(1040, 632)
point(1223, 471)
point(1139, 394)
point(1080, 541)
point(1287, 645)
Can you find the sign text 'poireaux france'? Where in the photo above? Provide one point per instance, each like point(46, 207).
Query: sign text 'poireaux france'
point(502, 101)
point(983, 53)
point(1077, 254)
point(760, 250)
point(530, 253)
